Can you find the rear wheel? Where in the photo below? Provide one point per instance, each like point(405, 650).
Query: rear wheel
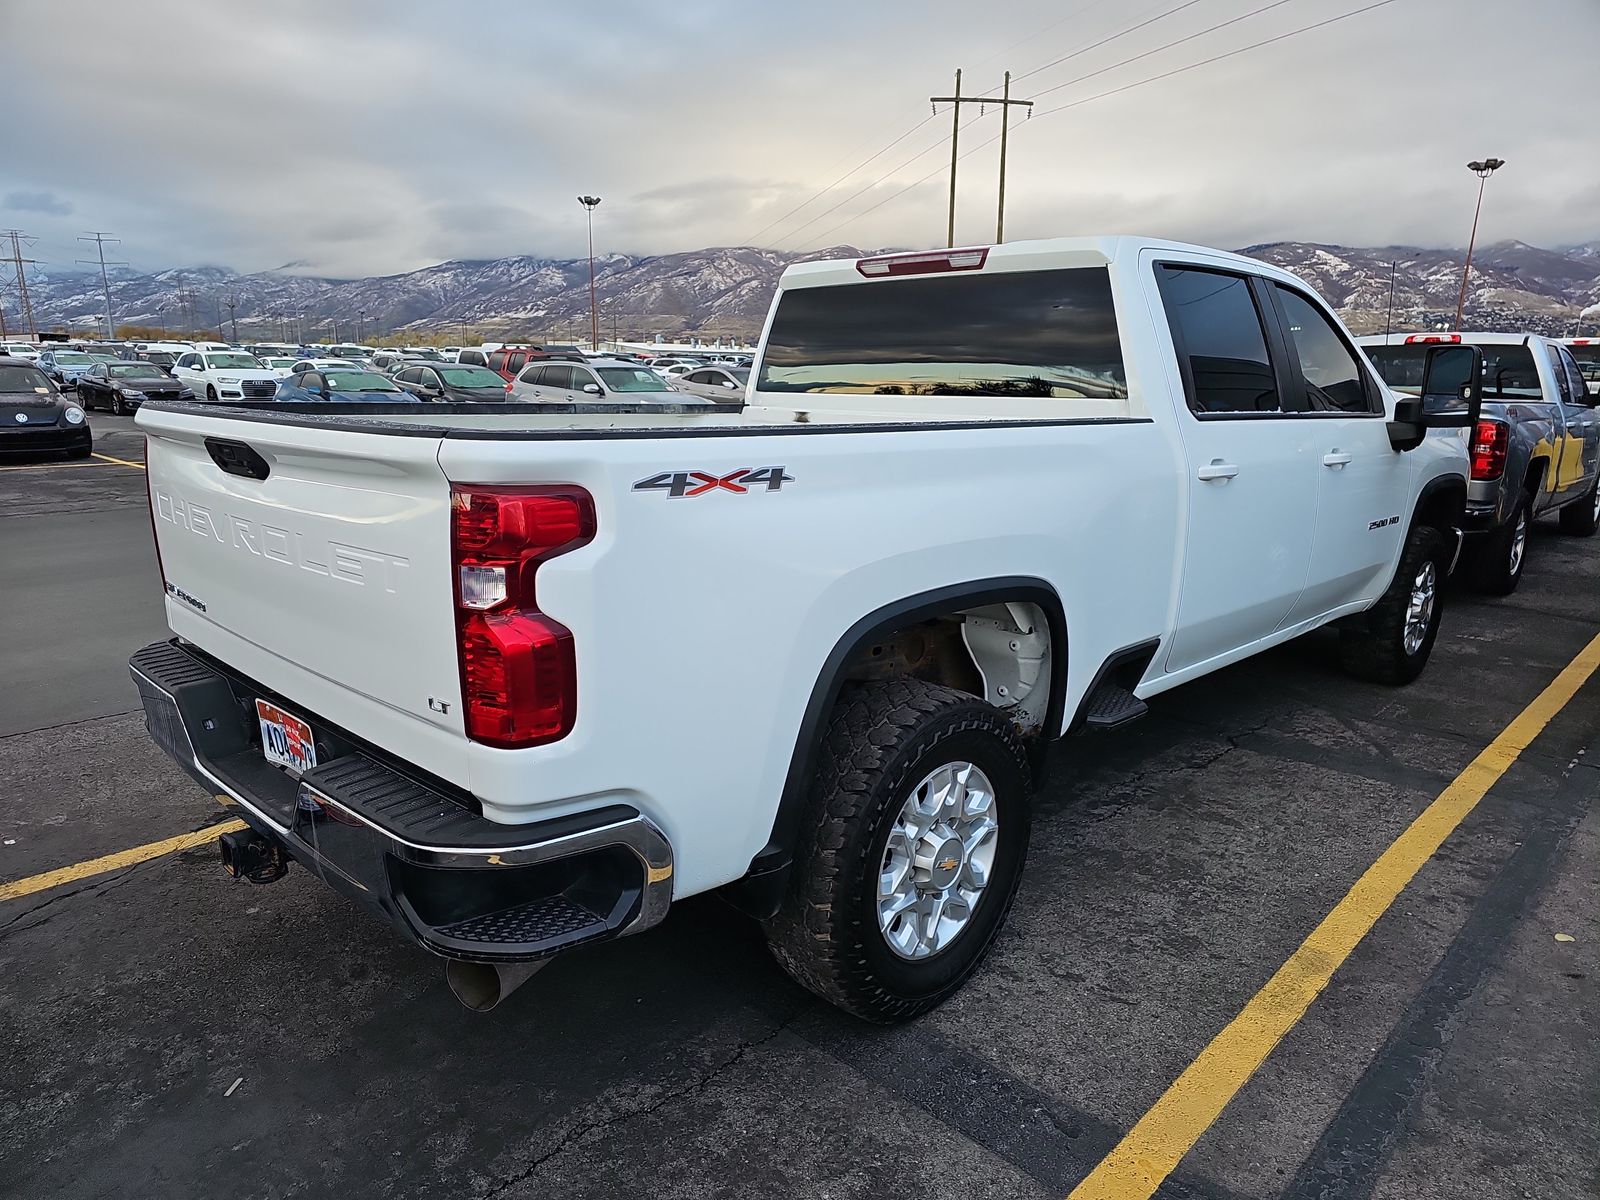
point(1582, 517)
point(912, 852)
point(1503, 553)
point(1391, 641)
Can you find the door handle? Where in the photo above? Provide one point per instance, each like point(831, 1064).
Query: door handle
point(1217, 469)
point(1336, 458)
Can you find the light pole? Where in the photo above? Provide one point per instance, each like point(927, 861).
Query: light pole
point(1388, 322)
point(589, 203)
point(1482, 169)
point(361, 315)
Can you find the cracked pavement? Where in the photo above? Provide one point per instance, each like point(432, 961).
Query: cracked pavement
point(1175, 864)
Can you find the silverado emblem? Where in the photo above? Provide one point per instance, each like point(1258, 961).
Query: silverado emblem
point(949, 864)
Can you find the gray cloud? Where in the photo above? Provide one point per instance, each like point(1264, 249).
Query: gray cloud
point(386, 141)
point(39, 202)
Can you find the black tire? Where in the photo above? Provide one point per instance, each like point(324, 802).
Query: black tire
point(1582, 517)
point(1372, 645)
point(211, 393)
point(1498, 563)
point(118, 409)
point(882, 741)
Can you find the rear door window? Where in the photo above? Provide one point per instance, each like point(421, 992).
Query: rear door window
point(497, 361)
point(1333, 379)
point(1047, 334)
point(1220, 340)
point(556, 377)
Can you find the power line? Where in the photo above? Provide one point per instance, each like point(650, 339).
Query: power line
point(100, 239)
point(887, 175)
point(750, 241)
point(891, 145)
point(17, 238)
point(1113, 92)
point(1255, 12)
point(1204, 62)
point(1056, 62)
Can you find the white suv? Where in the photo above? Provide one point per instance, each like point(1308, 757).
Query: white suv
point(598, 381)
point(226, 375)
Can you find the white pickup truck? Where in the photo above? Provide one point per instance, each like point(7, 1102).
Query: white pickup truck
point(518, 677)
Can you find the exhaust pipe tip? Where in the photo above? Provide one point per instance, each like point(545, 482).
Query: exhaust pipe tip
point(482, 986)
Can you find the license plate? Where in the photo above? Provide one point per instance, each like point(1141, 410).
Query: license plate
point(286, 739)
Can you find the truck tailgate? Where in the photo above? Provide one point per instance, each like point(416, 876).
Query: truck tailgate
point(317, 562)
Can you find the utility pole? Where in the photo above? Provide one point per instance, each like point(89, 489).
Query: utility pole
point(16, 236)
point(1388, 322)
point(955, 102)
point(100, 240)
point(233, 303)
point(361, 315)
point(1005, 127)
point(589, 203)
point(1482, 170)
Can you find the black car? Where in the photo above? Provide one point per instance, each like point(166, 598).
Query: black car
point(35, 417)
point(450, 383)
point(156, 358)
point(120, 387)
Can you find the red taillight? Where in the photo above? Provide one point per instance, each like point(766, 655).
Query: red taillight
point(519, 678)
point(1449, 339)
point(932, 263)
point(1489, 442)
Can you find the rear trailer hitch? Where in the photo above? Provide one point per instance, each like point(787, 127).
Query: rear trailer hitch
point(248, 855)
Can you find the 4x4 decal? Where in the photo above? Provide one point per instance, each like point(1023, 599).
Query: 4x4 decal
point(697, 483)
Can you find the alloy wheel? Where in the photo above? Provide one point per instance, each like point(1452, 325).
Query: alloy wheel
point(938, 860)
point(1419, 610)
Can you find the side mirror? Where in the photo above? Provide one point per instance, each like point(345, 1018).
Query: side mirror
point(1451, 396)
point(592, 389)
point(730, 385)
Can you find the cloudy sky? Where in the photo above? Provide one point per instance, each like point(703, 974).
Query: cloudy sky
point(360, 137)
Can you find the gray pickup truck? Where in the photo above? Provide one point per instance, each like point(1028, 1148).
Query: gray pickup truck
point(1536, 448)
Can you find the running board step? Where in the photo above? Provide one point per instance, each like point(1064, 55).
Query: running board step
point(1113, 705)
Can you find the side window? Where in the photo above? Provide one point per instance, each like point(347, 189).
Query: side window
point(409, 375)
point(1333, 377)
point(497, 361)
point(1568, 366)
point(1558, 373)
point(186, 360)
point(471, 358)
point(313, 381)
point(582, 378)
point(1218, 331)
point(516, 360)
point(297, 380)
point(700, 377)
point(530, 376)
point(556, 376)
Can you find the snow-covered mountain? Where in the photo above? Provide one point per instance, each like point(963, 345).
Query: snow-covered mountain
point(726, 290)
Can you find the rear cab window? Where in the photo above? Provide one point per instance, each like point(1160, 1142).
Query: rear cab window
point(1221, 340)
point(1049, 334)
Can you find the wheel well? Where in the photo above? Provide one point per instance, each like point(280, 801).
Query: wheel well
point(1536, 473)
point(959, 635)
point(998, 652)
point(1441, 505)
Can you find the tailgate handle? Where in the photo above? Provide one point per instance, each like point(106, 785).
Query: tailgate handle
point(236, 458)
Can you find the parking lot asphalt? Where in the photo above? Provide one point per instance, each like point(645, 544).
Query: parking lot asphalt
point(167, 1032)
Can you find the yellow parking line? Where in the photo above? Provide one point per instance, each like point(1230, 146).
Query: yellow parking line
point(61, 466)
point(121, 462)
point(114, 862)
point(1153, 1147)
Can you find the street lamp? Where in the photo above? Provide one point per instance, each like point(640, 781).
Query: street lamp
point(589, 203)
point(361, 315)
point(1482, 169)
